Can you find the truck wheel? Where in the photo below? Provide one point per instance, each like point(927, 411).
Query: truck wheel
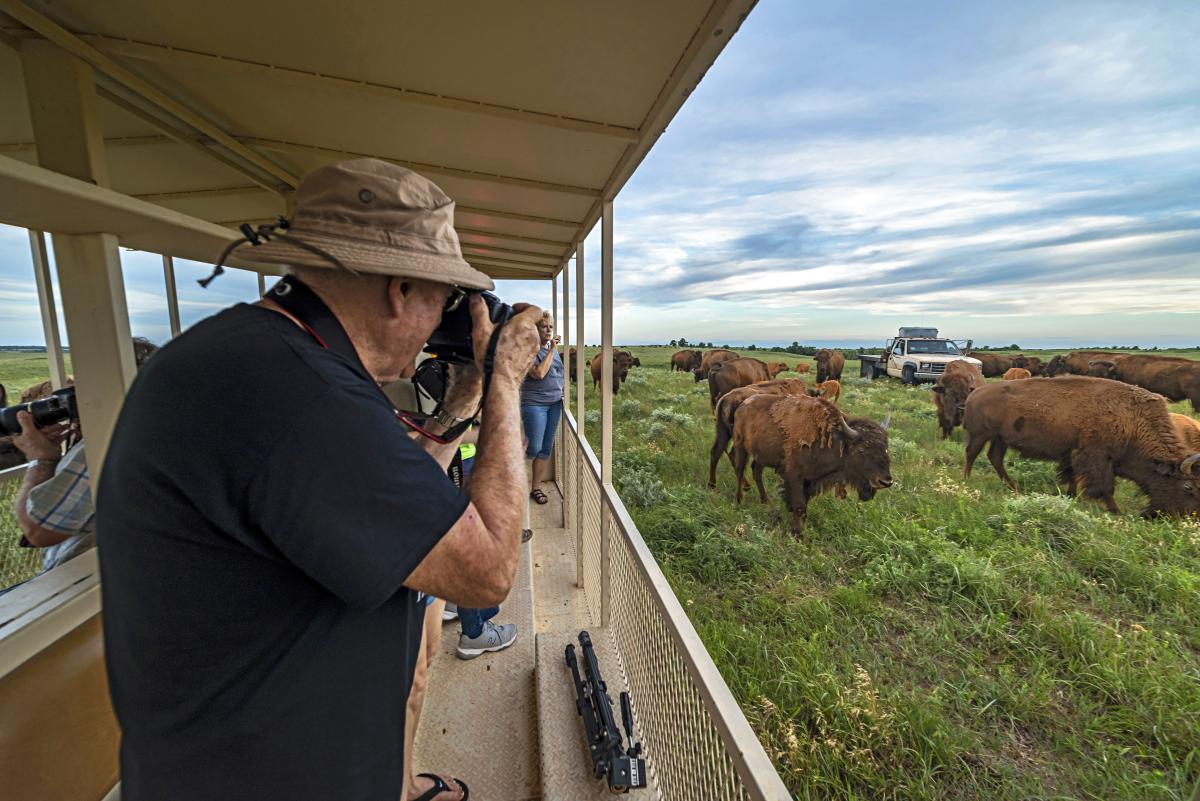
point(909, 375)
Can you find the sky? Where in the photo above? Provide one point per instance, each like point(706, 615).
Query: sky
point(1022, 172)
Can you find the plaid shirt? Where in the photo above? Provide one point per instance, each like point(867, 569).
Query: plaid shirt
point(63, 504)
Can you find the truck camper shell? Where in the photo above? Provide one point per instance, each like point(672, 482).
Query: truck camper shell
point(162, 127)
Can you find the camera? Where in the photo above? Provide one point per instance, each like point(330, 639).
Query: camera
point(451, 340)
point(61, 405)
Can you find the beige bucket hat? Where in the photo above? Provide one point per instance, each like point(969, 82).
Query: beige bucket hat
point(370, 216)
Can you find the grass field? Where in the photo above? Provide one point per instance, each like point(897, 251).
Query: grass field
point(947, 640)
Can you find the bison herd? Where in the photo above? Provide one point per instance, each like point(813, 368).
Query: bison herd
point(1096, 415)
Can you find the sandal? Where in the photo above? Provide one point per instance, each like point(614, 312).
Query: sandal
point(539, 496)
point(440, 786)
point(526, 534)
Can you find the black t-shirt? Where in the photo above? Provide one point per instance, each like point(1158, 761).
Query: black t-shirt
point(259, 509)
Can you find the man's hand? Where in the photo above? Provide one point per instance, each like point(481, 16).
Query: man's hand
point(40, 443)
point(518, 344)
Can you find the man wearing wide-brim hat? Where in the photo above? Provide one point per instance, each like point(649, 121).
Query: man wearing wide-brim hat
point(267, 525)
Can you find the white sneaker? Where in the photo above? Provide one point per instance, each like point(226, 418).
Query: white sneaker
point(492, 638)
point(450, 612)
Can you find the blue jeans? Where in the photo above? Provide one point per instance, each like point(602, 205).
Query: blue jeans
point(473, 619)
point(540, 424)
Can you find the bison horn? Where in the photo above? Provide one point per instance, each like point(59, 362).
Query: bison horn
point(850, 433)
point(887, 421)
point(1189, 463)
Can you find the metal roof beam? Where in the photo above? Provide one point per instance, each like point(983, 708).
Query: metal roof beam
point(106, 65)
point(541, 254)
point(149, 51)
point(512, 215)
point(186, 194)
point(280, 146)
point(515, 237)
point(533, 270)
point(513, 262)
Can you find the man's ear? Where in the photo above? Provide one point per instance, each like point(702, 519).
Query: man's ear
point(399, 289)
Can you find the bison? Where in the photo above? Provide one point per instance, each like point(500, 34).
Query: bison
point(1017, 374)
point(1031, 363)
point(621, 362)
point(1174, 378)
point(830, 390)
point(812, 447)
point(1076, 362)
point(803, 367)
point(727, 406)
point(1095, 429)
point(733, 374)
point(571, 365)
point(951, 391)
point(711, 359)
point(775, 368)
point(1188, 431)
point(994, 365)
point(685, 361)
point(829, 364)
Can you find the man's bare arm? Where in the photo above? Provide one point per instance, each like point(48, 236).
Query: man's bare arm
point(475, 562)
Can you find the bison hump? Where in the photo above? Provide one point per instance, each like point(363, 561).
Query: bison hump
point(805, 423)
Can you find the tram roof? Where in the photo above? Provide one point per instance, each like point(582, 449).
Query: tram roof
point(528, 115)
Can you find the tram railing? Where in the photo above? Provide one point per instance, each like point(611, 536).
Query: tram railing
point(700, 744)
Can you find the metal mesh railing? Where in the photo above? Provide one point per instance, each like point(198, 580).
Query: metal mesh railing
point(700, 744)
point(17, 564)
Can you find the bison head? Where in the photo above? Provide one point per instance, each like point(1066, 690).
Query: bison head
point(775, 368)
point(954, 389)
point(696, 375)
point(1056, 366)
point(1101, 368)
point(867, 464)
point(1175, 488)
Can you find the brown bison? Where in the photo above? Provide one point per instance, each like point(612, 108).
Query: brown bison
point(1188, 431)
point(812, 447)
point(1076, 362)
point(733, 374)
point(711, 359)
point(951, 391)
point(829, 364)
point(803, 367)
point(621, 362)
point(1031, 363)
point(994, 365)
point(1017, 374)
point(685, 361)
point(571, 365)
point(1174, 378)
point(1095, 429)
point(830, 390)
point(727, 406)
point(775, 368)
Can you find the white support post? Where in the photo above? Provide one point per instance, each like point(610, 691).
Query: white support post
point(172, 295)
point(262, 285)
point(45, 290)
point(568, 518)
point(580, 382)
point(63, 108)
point(606, 399)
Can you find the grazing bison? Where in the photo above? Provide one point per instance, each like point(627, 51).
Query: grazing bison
point(685, 361)
point(994, 365)
point(711, 359)
point(1174, 378)
point(1095, 429)
point(727, 406)
point(812, 447)
point(621, 362)
point(1031, 363)
point(829, 364)
point(733, 374)
point(830, 390)
point(571, 365)
point(951, 391)
point(1188, 431)
point(775, 368)
point(1076, 362)
point(803, 367)
point(1017, 374)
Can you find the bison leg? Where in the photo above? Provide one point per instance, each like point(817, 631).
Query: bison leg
point(758, 473)
point(739, 469)
point(1095, 472)
point(797, 499)
point(974, 446)
point(1066, 475)
point(996, 453)
point(720, 444)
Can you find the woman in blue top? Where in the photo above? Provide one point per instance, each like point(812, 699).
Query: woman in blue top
point(541, 406)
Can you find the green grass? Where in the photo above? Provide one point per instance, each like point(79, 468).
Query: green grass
point(947, 640)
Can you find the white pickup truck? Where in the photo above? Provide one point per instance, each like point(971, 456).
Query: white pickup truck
point(915, 355)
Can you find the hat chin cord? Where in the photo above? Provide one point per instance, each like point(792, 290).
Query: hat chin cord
point(266, 232)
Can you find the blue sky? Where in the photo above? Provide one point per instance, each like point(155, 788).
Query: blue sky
point(1012, 172)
